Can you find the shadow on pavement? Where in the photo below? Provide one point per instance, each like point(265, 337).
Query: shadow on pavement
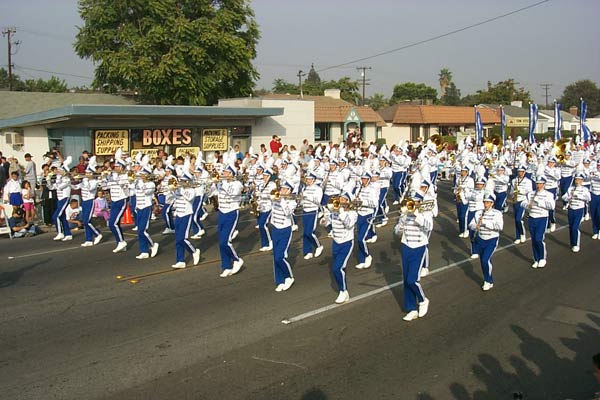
point(10, 278)
point(314, 394)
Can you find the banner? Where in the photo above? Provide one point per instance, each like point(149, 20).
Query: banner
point(557, 122)
point(533, 117)
point(214, 139)
point(503, 123)
point(106, 142)
point(186, 151)
point(478, 128)
point(584, 130)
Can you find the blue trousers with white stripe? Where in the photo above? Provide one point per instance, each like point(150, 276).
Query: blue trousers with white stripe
point(382, 205)
point(396, 183)
point(462, 211)
point(132, 204)
point(117, 208)
point(60, 217)
point(537, 230)
point(575, 217)
point(564, 185)
point(197, 206)
point(500, 201)
point(485, 250)
point(281, 243)
point(182, 232)
point(90, 230)
point(412, 260)
point(363, 224)
point(595, 213)
point(551, 218)
point(227, 223)
point(263, 229)
point(341, 253)
point(433, 176)
point(519, 211)
point(309, 239)
point(142, 223)
point(470, 216)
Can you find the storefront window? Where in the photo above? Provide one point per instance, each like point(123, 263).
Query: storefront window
point(322, 132)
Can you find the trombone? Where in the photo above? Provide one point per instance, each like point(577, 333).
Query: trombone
point(409, 206)
point(334, 204)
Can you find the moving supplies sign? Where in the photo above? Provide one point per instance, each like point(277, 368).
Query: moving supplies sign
point(214, 139)
point(106, 142)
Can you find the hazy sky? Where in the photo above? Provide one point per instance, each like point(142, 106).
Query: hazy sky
point(556, 42)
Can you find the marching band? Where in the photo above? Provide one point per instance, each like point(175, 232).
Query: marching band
point(346, 191)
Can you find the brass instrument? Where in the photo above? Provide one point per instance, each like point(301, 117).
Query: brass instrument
point(487, 163)
point(495, 140)
point(561, 150)
point(411, 205)
point(476, 232)
point(336, 204)
point(516, 193)
point(439, 143)
point(277, 195)
point(457, 195)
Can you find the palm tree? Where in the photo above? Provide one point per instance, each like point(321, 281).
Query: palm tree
point(445, 78)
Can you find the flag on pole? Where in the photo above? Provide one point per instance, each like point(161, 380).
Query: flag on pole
point(557, 122)
point(503, 123)
point(478, 128)
point(533, 117)
point(585, 131)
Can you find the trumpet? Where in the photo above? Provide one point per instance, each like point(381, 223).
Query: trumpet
point(410, 205)
point(277, 195)
point(334, 204)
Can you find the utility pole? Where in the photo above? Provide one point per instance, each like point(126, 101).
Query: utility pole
point(300, 75)
point(8, 32)
point(363, 75)
point(546, 86)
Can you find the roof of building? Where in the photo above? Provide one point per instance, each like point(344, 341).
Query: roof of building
point(13, 104)
point(510, 111)
point(127, 111)
point(330, 109)
point(566, 116)
point(436, 115)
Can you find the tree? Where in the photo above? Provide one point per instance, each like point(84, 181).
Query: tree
point(413, 91)
point(171, 51)
point(445, 77)
point(281, 86)
point(377, 101)
point(503, 93)
point(17, 84)
point(313, 77)
point(585, 89)
point(452, 96)
point(53, 84)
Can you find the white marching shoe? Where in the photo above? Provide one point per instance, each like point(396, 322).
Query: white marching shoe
point(196, 256)
point(59, 236)
point(294, 228)
point(586, 217)
point(225, 273)
point(372, 240)
point(517, 241)
point(487, 286)
point(203, 217)
point(552, 227)
point(288, 283)
point(387, 209)
point(121, 246)
point(98, 239)
point(575, 249)
point(318, 251)
point(67, 238)
point(423, 307)
point(343, 297)
point(424, 272)
point(535, 265)
point(279, 287)
point(330, 235)
point(178, 265)
point(237, 265)
point(235, 234)
point(411, 316)
point(87, 244)
point(359, 266)
point(542, 263)
point(474, 256)
point(168, 231)
point(308, 256)
point(368, 262)
point(395, 202)
point(134, 229)
point(142, 256)
point(266, 248)
point(154, 250)
point(595, 236)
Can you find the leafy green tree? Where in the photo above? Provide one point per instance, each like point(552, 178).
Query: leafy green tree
point(17, 84)
point(583, 88)
point(377, 101)
point(171, 51)
point(348, 88)
point(284, 87)
point(445, 78)
point(503, 93)
point(54, 85)
point(413, 91)
point(452, 96)
point(313, 77)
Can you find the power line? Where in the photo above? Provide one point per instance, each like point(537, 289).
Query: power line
point(431, 39)
point(54, 72)
point(546, 86)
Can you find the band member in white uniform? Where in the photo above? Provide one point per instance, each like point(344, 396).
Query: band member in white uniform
point(89, 187)
point(577, 198)
point(521, 186)
point(368, 195)
point(487, 225)
point(415, 228)
point(537, 204)
point(462, 192)
point(63, 194)
point(118, 184)
point(501, 182)
point(312, 194)
point(281, 222)
point(144, 193)
point(262, 192)
point(184, 212)
point(595, 202)
point(475, 204)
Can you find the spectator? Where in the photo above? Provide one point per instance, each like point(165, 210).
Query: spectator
point(73, 214)
point(238, 154)
point(19, 226)
point(30, 169)
point(28, 197)
point(304, 146)
point(101, 206)
point(49, 201)
point(263, 149)
point(3, 175)
point(14, 167)
point(12, 190)
point(81, 165)
point(275, 144)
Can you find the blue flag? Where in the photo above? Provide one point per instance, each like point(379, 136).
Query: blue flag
point(557, 122)
point(533, 117)
point(585, 131)
point(478, 128)
point(503, 123)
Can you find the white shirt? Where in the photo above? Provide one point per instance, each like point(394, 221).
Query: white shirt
point(118, 184)
point(229, 194)
point(577, 196)
point(281, 213)
point(88, 189)
point(184, 200)
point(342, 225)
point(144, 193)
point(369, 197)
point(523, 186)
point(311, 197)
point(263, 194)
point(541, 202)
point(414, 228)
point(491, 223)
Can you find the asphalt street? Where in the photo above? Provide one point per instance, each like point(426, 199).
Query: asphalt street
point(70, 329)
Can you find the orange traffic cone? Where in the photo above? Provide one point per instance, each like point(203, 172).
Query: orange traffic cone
point(127, 216)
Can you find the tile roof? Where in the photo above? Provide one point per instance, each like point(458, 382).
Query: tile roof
point(437, 115)
point(14, 104)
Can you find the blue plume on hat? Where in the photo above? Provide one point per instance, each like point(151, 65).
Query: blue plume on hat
point(490, 197)
point(366, 175)
point(347, 195)
point(288, 185)
point(522, 168)
point(418, 196)
point(425, 183)
point(540, 179)
point(311, 175)
point(268, 171)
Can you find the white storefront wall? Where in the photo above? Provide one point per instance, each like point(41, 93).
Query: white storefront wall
point(35, 142)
